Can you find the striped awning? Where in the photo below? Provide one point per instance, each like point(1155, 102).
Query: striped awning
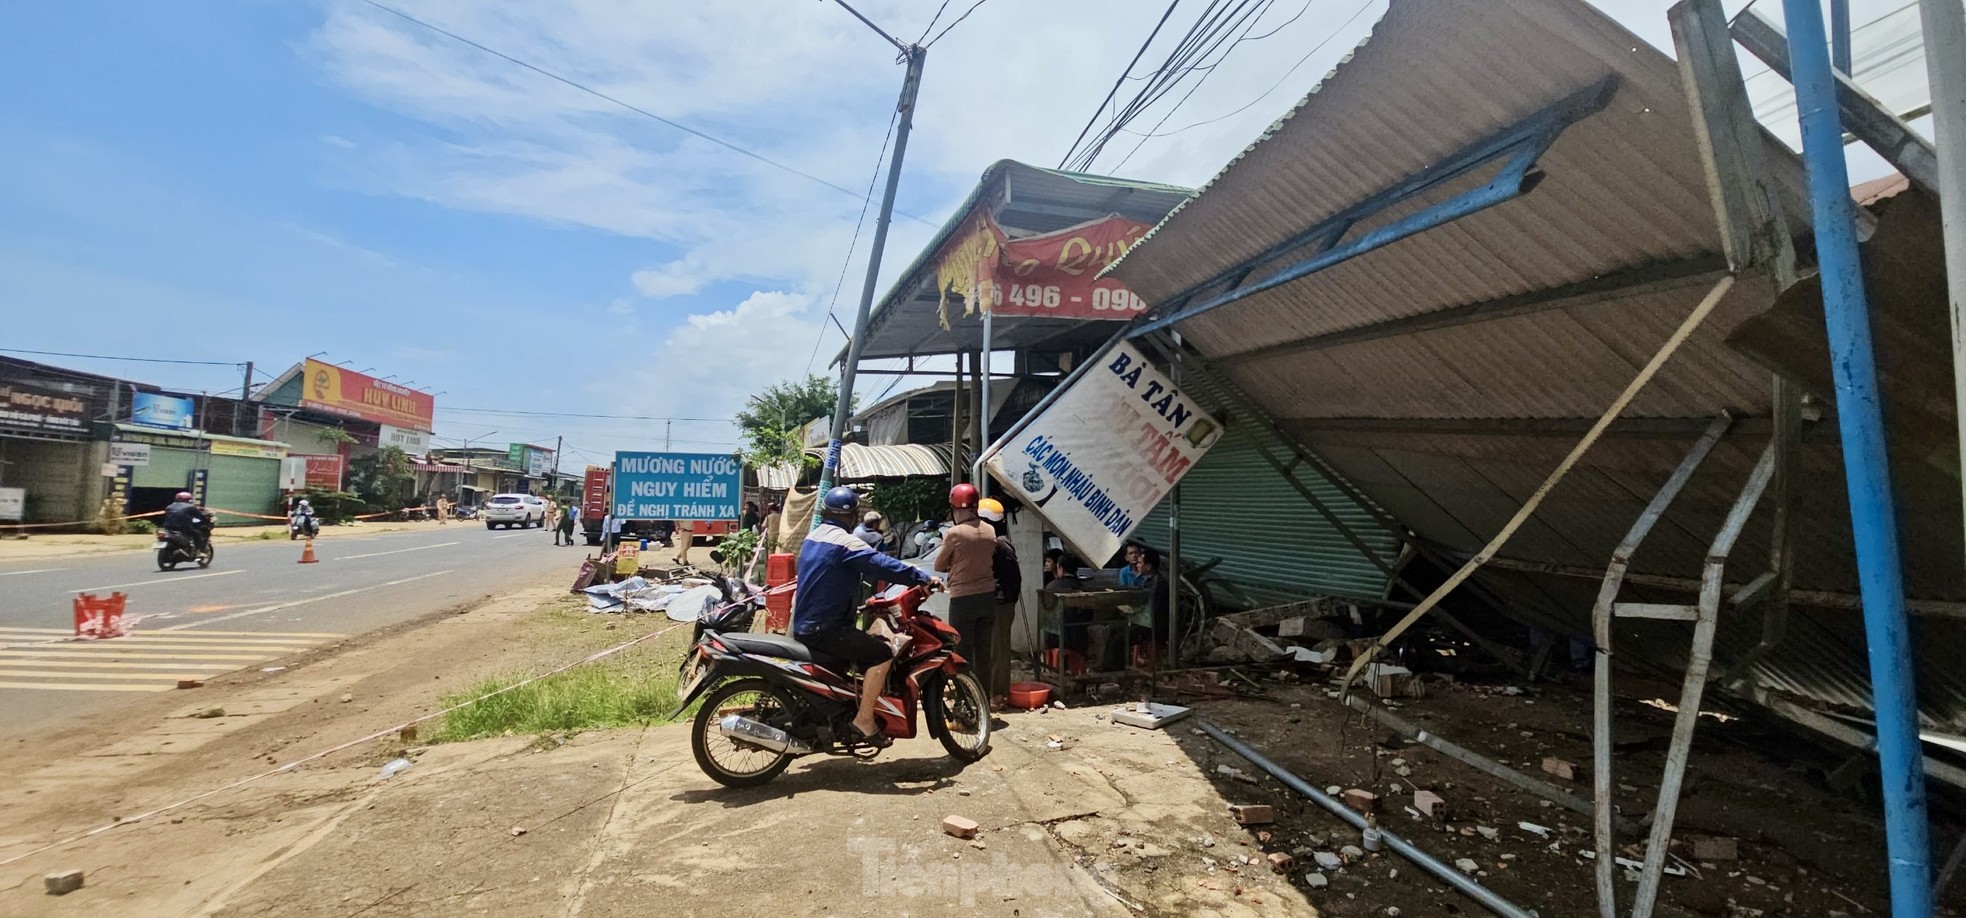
point(780, 477)
point(859, 462)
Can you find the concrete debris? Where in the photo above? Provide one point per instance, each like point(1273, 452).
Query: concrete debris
point(61, 884)
point(1489, 832)
point(1395, 789)
point(1151, 716)
point(1403, 771)
point(1534, 829)
point(1316, 880)
point(518, 831)
point(1715, 848)
point(1467, 865)
point(1352, 854)
point(346, 698)
point(959, 827)
point(1329, 860)
point(210, 713)
point(1559, 768)
point(1430, 804)
point(1236, 773)
point(1333, 789)
point(1253, 814)
point(191, 683)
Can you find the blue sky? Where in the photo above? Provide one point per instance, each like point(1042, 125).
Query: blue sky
point(261, 180)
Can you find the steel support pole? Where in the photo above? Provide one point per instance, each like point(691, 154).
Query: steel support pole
point(1839, 36)
point(1860, 419)
point(1944, 24)
point(910, 85)
point(976, 475)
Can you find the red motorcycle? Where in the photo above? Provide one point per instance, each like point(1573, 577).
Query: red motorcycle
point(771, 699)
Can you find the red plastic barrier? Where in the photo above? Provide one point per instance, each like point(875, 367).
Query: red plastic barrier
point(781, 568)
point(778, 611)
point(97, 618)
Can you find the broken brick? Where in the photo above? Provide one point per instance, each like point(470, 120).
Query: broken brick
point(1253, 814)
point(1430, 804)
point(1360, 799)
point(1715, 848)
point(1559, 768)
point(61, 884)
point(1280, 862)
point(959, 827)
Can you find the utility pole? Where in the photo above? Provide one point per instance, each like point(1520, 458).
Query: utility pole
point(910, 84)
point(666, 427)
point(553, 476)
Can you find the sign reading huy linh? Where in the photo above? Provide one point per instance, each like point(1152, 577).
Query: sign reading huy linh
point(1096, 460)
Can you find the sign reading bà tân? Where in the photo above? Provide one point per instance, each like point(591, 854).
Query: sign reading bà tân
point(1096, 460)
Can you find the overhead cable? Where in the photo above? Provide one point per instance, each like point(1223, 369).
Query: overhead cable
point(1110, 93)
point(629, 106)
point(959, 21)
point(199, 363)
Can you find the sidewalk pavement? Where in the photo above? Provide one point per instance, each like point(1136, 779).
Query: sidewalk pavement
point(39, 547)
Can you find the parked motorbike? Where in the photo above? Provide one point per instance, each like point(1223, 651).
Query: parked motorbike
point(303, 526)
point(768, 699)
point(175, 548)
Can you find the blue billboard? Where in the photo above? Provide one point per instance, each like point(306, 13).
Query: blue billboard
point(677, 486)
point(151, 409)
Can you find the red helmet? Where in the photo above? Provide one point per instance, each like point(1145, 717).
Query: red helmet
point(962, 497)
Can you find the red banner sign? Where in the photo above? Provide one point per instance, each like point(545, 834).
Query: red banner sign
point(1054, 274)
point(329, 388)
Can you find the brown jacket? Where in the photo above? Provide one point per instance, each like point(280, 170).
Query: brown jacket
point(967, 552)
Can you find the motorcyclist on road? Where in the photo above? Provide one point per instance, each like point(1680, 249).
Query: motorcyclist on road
point(302, 518)
point(831, 563)
point(186, 520)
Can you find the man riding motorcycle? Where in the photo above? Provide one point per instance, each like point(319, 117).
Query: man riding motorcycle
point(301, 521)
point(831, 563)
point(186, 521)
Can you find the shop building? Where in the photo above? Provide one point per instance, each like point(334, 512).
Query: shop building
point(49, 447)
point(330, 415)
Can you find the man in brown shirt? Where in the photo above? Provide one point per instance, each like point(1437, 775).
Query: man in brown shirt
point(968, 554)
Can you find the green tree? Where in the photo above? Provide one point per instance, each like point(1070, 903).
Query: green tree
point(772, 420)
point(383, 479)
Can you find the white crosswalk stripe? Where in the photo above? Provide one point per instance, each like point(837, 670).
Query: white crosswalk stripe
point(44, 659)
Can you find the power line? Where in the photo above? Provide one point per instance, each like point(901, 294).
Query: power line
point(933, 20)
point(1204, 78)
point(200, 363)
point(851, 246)
point(1110, 93)
point(1273, 86)
point(565, 414)
point(959, 21)
point(633, 108)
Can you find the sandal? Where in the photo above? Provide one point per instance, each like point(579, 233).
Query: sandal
point(877, 739)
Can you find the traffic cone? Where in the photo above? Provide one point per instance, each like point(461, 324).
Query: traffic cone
point(307, 553)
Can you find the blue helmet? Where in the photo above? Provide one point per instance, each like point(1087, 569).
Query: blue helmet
point(841, 500)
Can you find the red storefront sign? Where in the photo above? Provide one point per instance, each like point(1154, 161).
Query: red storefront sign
point(1054, 274)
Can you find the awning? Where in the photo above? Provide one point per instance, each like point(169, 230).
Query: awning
point(780, 477)
point(859, 462)
point(441, 468)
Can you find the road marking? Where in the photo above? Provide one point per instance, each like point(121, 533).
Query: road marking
point(398, 551)
point(51, 674)
point(8, 629)
point(146, 661)
point(11, 630)
point(43, 570)
point(509, 535)
point(301, 602)
point(117, 653)
point(118, 586)
point(6, 665)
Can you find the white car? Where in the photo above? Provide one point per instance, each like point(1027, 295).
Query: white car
point(522, 510)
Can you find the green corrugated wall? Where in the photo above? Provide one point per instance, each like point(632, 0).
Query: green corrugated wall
point(1235, 506)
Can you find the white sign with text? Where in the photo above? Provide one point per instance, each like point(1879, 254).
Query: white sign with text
point(1096, 460)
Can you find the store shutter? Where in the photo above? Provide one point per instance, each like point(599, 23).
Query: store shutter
point(248, 485)
point(1235, 506)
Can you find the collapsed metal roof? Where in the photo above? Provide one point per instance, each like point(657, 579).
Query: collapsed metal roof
point(1026, 200)
point(1446, 372)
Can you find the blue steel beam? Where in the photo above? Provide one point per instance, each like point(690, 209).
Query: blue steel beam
point(1860, 420)
point(1518, 146)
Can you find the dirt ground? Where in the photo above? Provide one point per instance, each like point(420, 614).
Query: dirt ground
point(1079, 815)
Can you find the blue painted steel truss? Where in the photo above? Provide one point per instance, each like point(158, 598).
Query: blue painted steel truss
point(1517, 147)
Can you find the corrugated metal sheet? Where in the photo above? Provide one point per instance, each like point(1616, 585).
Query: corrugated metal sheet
point(781, 477)
point(1450, 428)
point(1235, 506)
point(859, 463)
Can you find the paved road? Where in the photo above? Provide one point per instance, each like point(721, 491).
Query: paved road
point(253, 604)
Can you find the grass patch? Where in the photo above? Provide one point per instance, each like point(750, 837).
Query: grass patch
point(610, 693)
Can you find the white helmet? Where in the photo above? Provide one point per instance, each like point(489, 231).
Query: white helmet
point(871, 518)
